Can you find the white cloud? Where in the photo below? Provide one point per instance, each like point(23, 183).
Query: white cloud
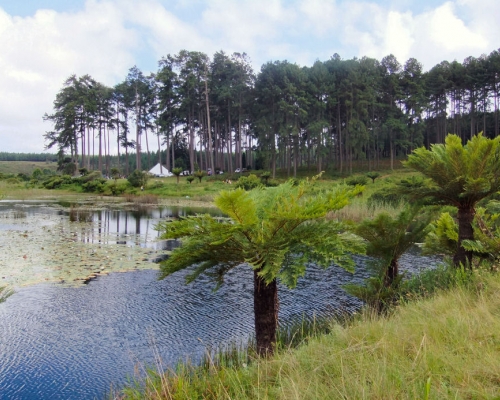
point(321, 16)
point(255, 27)
point(448, 32)
point(162, 30)
point(431, 37)
point(38, 53)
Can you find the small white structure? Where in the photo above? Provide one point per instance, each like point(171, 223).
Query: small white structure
point(160, 172)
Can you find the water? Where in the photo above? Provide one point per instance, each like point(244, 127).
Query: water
point(59, 342)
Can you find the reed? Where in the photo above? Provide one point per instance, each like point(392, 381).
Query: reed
point(142, 199)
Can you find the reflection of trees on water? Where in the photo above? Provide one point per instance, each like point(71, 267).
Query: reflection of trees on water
point(130, 227)
point(105, 226)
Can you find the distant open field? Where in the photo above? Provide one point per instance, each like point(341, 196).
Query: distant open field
point(25, 167)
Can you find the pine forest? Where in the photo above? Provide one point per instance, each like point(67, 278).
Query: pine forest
point(198, 112)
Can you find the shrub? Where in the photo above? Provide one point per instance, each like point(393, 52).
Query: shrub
point(115, 173)
point(69, 169)
point(156, 185)
point(430, 281)
point(294, 181)
point(88, 177)
point(138, 178)
point(357, 180)
point(55, 182)
point(37, 174)
point(265, 176)
point(248, 182)
point(272, 183)
point(117, 189)
point(95, 186)
point(23, 177)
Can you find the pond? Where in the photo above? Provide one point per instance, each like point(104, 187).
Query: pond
point(61, 338)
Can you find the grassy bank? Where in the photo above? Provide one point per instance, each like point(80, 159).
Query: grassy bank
point(444, 347)
point(15, 187)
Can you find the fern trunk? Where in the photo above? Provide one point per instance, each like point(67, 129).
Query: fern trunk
point(391, 272)
point(465, 232)
point(265, 305)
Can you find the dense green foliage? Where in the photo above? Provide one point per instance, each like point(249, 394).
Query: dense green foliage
point(277, 231)
point(460, 176)
point(248, 182)
point(138, 178)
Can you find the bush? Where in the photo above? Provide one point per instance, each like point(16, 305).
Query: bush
point(430, 281)
point(357, 180)
point(384, 198)
point(138, 178)
point(55, 182)
point(23, 177)
point(272, 183)
point(265, 176)
point(37, 174)
point(248, 182)
point(95, 186)
point(88, 177)
point(294, 181)
point(117, 189)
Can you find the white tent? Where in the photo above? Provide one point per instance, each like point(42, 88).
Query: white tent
point(157, 171)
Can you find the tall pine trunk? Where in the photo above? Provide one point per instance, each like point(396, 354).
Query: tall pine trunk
point(265, 305)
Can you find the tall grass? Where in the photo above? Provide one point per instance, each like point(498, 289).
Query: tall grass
point(358, 210)
point(141, 199)
point(443, 347)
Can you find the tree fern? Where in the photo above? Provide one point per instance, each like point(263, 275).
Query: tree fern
point(460, 176)
point(277, 231)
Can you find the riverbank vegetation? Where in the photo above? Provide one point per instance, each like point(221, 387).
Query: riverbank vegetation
point(444, 346)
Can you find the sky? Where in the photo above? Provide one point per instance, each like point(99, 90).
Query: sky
point(43, 42)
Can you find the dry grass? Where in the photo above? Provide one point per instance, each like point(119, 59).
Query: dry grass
point(142, 199)
point(25, 167)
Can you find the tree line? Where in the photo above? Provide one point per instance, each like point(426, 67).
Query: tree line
point(218, 113)
point(6, 156)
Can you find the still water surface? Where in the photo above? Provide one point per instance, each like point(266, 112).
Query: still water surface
point(59, 342)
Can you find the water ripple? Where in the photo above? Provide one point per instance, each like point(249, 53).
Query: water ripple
point(58, 342)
